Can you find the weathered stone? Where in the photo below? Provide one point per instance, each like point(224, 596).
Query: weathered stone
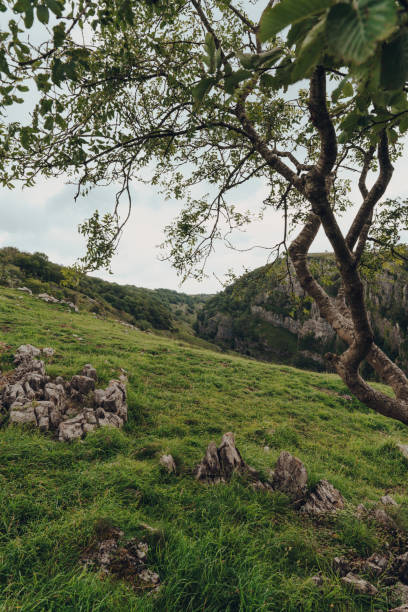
point(220, 463)
point(400, 567)
point(48, 351)
point(290, 476)
point(89, 371)
point(25, 290)
point(127, 561)
point(70, 430)
point(26, 351)
point(59, 406)
point(168, 463)
point(22, 415)
point(361, 510)
point(341, 566)
point(400, 592)
point(383, 518)
point(358, 585)
point(48, 298)
point(404, 449)
point(387, 500)
point(317, 580)
point(325, 498)
point(82, 384)
point(376, 564)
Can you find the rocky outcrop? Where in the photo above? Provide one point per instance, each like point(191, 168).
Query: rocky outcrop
point(53, 300)
point(127, 560)
point(289, 476)
point(267, 316)
point(68, 409)
point(168, 463)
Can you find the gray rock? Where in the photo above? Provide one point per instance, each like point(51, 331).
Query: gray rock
point(26, 351)
point(383, 518)
point(25, 290)
point(317, 580)
point(219, 464)
point(341, 566)
point(290, 476)
point(48, 298)
point(89, 371)
point(400, 592)
point(376, 564)
point(22, 415)
point(48, 351)
point(83, 384)
point(71, 430)
point(168, 463)
point(404, 449)
point(324, 499)
point(358, 585)
point(387, 500)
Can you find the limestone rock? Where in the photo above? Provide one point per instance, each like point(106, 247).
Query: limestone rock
point(383, 518)
point(376, 564)
point(168, 463)
point(48, 298)
point(387, 500)
point(358, 585)
point(400, 592)
point(220, 463)
point(48, 351)
point(126, 561)
point(58, 406)
point(290, 476)
point(404, 449)
point(341, 566)
point(82, 384)
point(325, 498)
point(25, 290)
point(89, 371)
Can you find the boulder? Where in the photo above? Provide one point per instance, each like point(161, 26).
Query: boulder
point(404, 449)
point(26, 351)
point(168, 463)
point(323, 499)
point(48, 351)
point(48, 298)
point(376, 564)
point(358, 585)
point(89, 371)
point(25, 290)
point(82, 384)
point(290, 476)
point(219, 464)
point(387, 500)
point(22, 414)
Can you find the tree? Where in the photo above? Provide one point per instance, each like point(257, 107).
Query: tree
point(193, 90)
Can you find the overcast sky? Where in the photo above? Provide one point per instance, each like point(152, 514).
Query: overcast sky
point(45, 218)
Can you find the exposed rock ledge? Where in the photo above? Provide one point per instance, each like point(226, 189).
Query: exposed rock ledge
point(69, 409)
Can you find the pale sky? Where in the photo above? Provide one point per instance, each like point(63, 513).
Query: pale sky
point(45, 218)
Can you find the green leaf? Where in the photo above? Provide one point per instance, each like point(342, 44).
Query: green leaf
point(55, 7)
point(310, 52)
point(22, 6)
point(29, 17)
point(288, 12)
point(231, 82)
point(43, 14)
point(3, 63)
point(203, 88)
point(49, 123)
point(394, 63)
point(353, 31)
point(59, 34)
point(403, 124)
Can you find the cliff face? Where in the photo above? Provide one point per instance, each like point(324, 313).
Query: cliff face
point(266, 315)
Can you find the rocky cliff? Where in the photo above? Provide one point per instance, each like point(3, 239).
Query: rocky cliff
point(266, 315)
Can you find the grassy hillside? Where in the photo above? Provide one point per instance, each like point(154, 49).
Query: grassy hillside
point(222, 548)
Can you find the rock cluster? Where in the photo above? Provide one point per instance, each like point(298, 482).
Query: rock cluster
point(53, 300)
point(70, 409)
point(127, 561)
point(289, 476)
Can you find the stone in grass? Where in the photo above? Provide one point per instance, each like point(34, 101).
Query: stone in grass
point(323, 499)
point(404, 449)
point(341, 566)
point(168, 463)
point(290, 476)
point(376, 564)
point(126, 561)
point(388, 500)
point(400, 592)
point(358, 585)
point(220, 463)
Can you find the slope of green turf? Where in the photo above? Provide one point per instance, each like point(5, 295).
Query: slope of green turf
point(218, 548)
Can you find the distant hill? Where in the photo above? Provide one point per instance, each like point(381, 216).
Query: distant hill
point(265, 314)
point(159, 309)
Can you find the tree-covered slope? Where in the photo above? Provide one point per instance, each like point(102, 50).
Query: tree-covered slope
point(265, 314)
point(160, 309)
point(218, 548)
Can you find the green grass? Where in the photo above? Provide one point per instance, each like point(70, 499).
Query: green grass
point(223, 548)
